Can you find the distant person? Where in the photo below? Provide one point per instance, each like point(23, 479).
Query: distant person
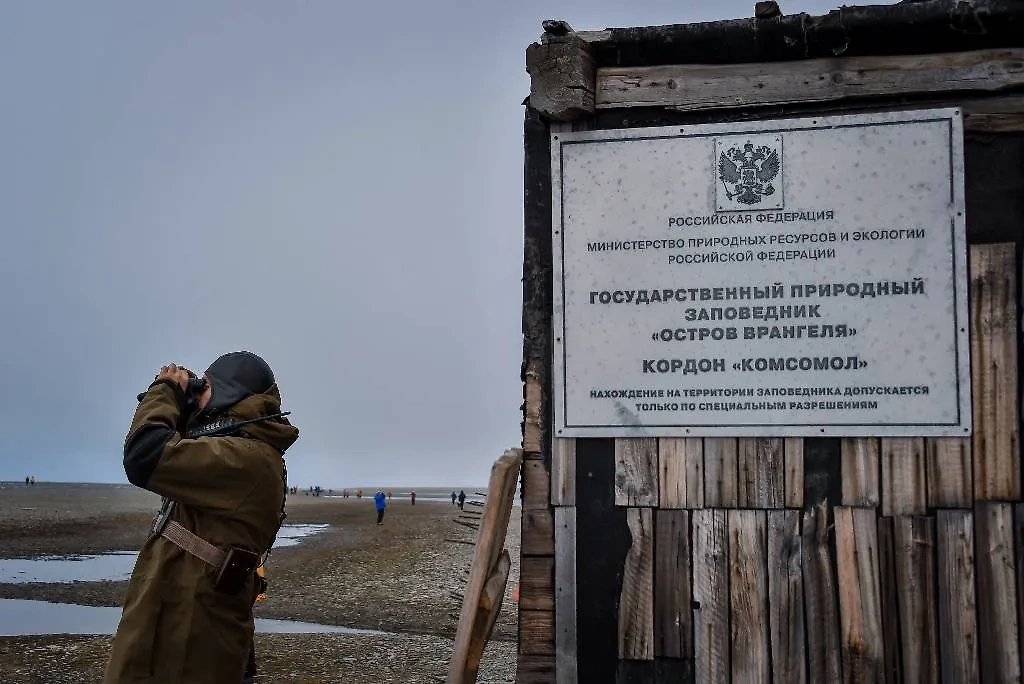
point(32, 480)
point(188, 610)
point(381, 503)
point(412, 496)
point(389, 495)
point(454, 496)
point(462, 500)
point(26, 480)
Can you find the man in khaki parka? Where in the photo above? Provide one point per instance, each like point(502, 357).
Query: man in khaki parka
point(223, 489)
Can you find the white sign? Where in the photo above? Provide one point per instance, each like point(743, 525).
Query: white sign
point(798, 277)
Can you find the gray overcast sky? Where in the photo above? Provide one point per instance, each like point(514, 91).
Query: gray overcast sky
point(335, 186)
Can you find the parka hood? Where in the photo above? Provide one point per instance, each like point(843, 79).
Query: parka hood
point(277, 432)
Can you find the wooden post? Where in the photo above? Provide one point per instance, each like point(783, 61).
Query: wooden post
point(748, 604)
point(786, 597)
point(636, 605)
point(860, 605)
point(819, 589)
point(636, 472)
point(720, 472)
point(681, 476)
point(994, 373)
point(711, 595)
point(958, 630)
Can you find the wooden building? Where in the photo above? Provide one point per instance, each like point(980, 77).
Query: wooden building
point(783, 559)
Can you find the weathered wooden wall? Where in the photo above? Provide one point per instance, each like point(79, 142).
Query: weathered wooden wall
point(780, 560)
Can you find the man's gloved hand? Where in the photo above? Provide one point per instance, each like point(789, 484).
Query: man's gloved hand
point(176, 373)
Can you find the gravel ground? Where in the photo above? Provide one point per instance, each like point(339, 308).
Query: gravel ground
point(399, 578)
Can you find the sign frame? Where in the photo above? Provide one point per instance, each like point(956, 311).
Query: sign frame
point(962, 427)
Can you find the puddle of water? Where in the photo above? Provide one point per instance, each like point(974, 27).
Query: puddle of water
point(289, 535)
point(107, 566)
point(112, 567)
point(22, 617)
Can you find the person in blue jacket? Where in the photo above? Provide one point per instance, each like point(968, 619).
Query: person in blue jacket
point(381, 501)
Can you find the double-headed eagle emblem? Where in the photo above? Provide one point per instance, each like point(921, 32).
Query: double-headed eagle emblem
point(747, 174)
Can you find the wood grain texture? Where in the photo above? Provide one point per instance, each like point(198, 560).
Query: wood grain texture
point(958, 630)
point(860, 466)
point(915, 588)
point(711, 86)
point(535, 669)
point(748, 594)
point(673, 593)
point(794, 452)
point(538, 532)
point(636, 472)
point(823, 642)
point(711, 596)
point(893, 673)
point(950, 473)
point(721, 488)
point(1018, 534)
point(562, 77)
point(536, 581)
point(993, 332)
point(860, 605)
point(563, 472)
point(786, 597)
point(636, 603)
point(999, 655)
point(904, 483)
point(681, 472)
point(565, 595)
point(533, 390)
point(537, 495)
point(761, 473)
point(537, 632)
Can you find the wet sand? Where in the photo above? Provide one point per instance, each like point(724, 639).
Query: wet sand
point(398, 578)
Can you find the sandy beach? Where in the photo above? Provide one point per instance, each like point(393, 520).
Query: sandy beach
point(399, 578)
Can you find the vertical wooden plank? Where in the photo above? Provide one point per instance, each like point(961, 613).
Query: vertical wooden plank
point(565, 594)
point(761, 473)
point(636, 603)
point(904, 485)
point(993, 313)
point(563, 472)
point(860, 605)
point(958, 632)
point(720, 472)
point(536, 577)
point(819, 591)
point(794, 451)
point(673, 595)
point(786, 597)
point(997, 593)
point(636, 472)
point(1018, 534)
point(681, 476)
point(711, 596)
point(950, 476)
point(860, 460)
point(748, 597)
point(893, 673)
point(915, 588)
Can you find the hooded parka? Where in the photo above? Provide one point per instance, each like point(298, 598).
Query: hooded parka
point(229, 490)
